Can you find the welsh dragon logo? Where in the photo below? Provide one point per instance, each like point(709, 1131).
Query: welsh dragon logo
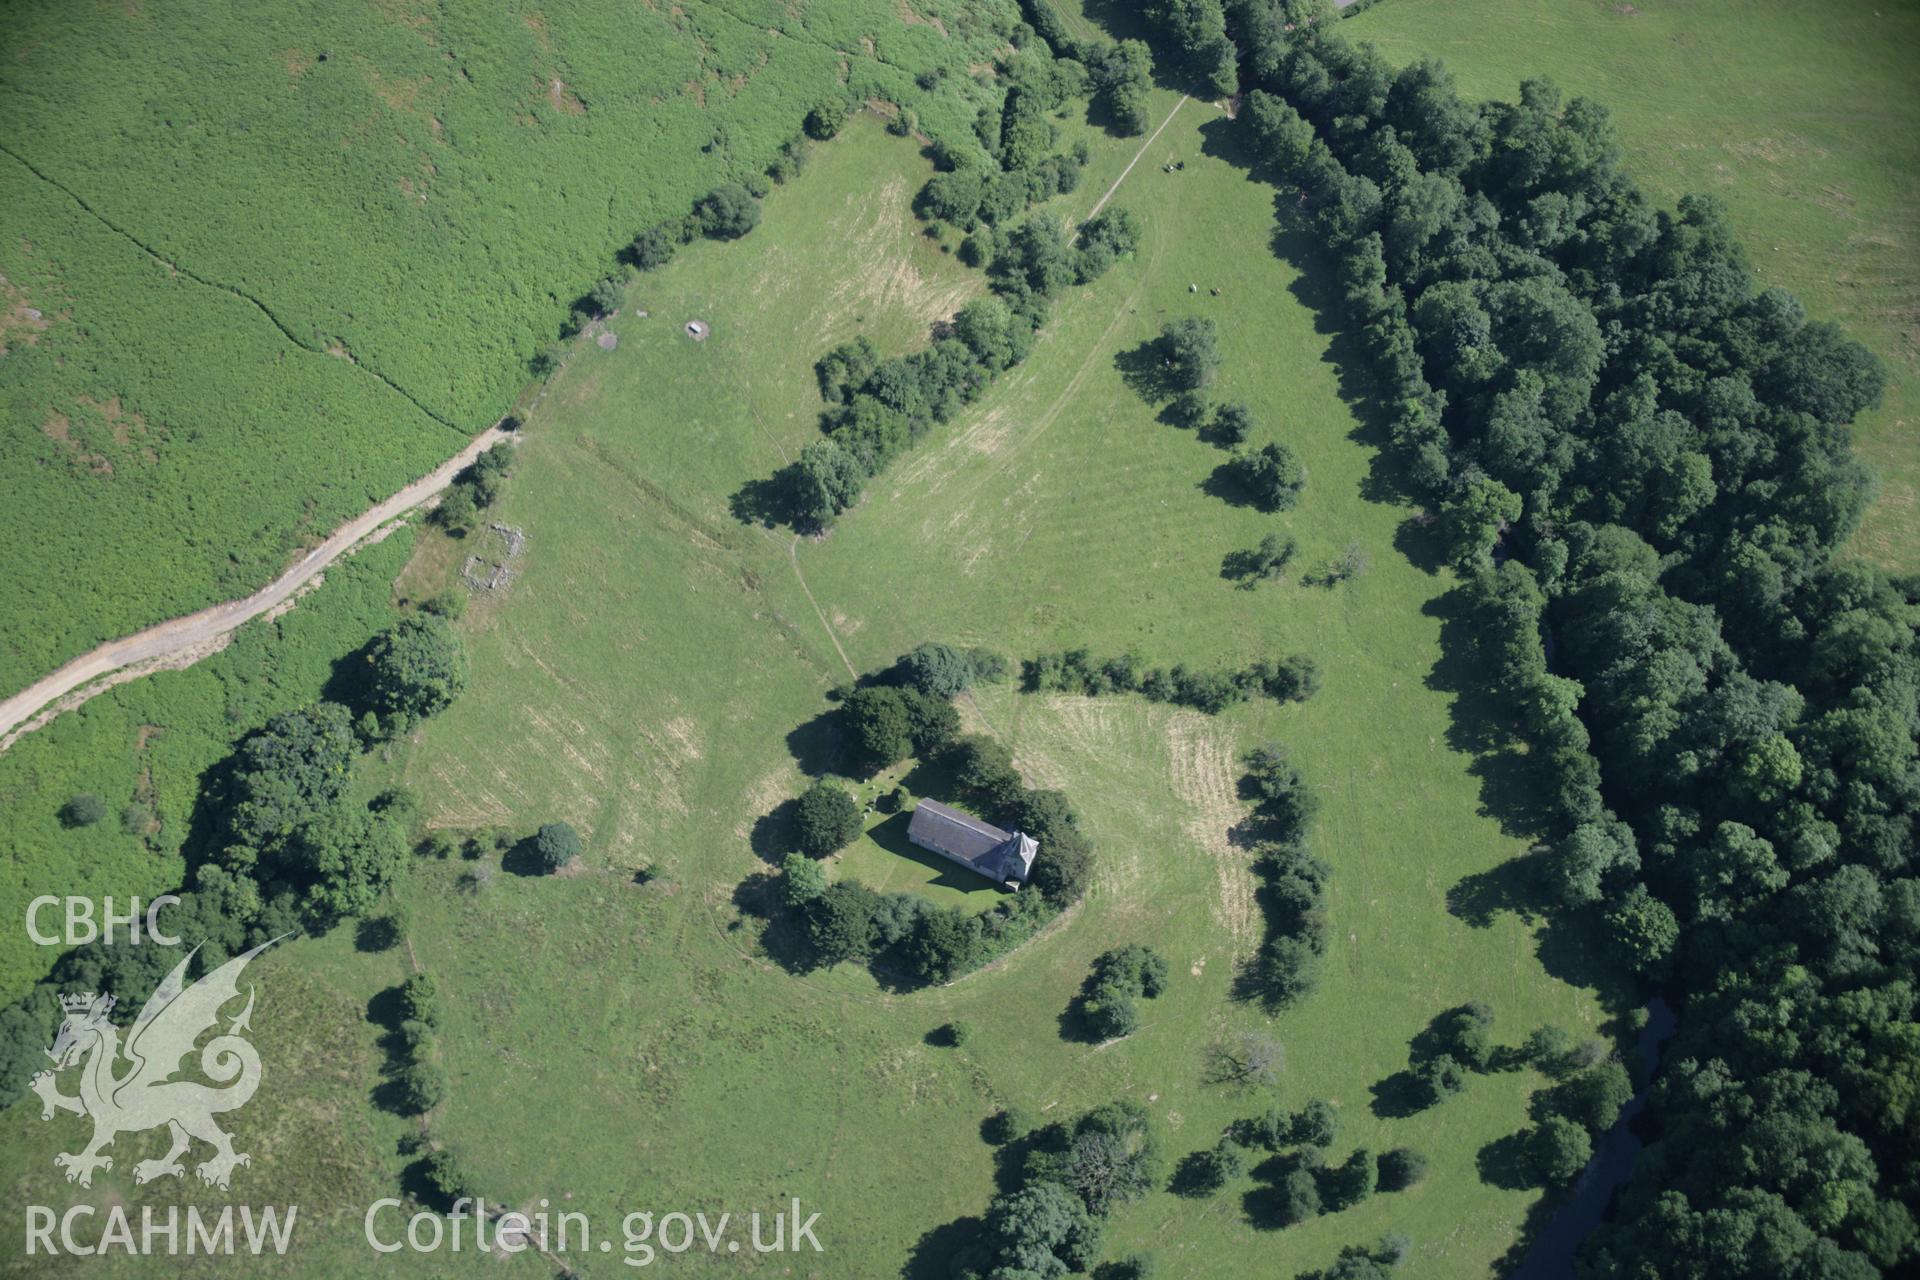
point(146, 1095)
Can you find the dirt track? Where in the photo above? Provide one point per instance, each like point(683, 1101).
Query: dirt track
point(197, 633)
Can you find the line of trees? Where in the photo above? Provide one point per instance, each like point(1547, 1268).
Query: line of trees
point(1294, 678)
point(474, 490)
point(1298, 930)
point(880, 408)
point(1640, 462)
point(1304, 1183)
point(1120, 74)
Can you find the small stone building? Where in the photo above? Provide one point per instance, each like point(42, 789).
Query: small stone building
point(1005, 857)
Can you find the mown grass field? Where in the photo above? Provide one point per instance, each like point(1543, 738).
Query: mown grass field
point(1804, 119)
point(316, 247)
point(617, 1045)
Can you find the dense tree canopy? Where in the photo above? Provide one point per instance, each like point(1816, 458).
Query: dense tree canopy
point(418, 667)
point(1639, 463)
point(826, 819)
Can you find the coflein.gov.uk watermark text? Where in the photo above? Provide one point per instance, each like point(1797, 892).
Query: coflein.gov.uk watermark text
point(642, 1238)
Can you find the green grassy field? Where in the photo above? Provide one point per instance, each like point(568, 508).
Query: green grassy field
point(1804, 119)
point(627, 1045)
point(318, 246)
point(621, 1041)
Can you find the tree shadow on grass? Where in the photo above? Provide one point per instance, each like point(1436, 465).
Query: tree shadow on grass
point(1397, 1096)
point(1146, 372)
point(387, 1010)
point(767, 503)
point(772, 836)
point(1418, 539)
point(1242, 568)
point(1516, 785)
point(1480, 898)
point(521, 859)
point(820, 746)
point(1503, 1163)
point(942, 1252)
point(374, 934)
point(1262, 1206)
point(1189, 1180)
point(1224, 483)
point(784, 938)
point(348, 680)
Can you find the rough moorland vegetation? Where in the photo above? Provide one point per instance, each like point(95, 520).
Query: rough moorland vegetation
point(193, 395)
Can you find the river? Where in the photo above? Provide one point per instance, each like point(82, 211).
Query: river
point(1551, 1255)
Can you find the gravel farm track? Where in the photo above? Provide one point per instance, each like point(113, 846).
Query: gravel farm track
point(167, 643)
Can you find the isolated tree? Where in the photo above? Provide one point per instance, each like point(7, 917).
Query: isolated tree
point(1233, 423)
point(555, 845)
point(824, 120)
point(457, 513)
point(418, 666)
point(447, 1175)
point(420, 999)
point(1299, 1197)
point(1400, 1168)
point(727, 212)
point(1268, 561)
point(823, 482)
point(423, 1086)
point(826, 819)
point(1315, 1125)
point(1350, 1182)
point(1271, 475)
point(1289, 971)
point(1557, 1150)
point(83, 810)
point(1112, 1158)
point(1466, 1034)
point(1190, 348)
point(1254, 1058)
